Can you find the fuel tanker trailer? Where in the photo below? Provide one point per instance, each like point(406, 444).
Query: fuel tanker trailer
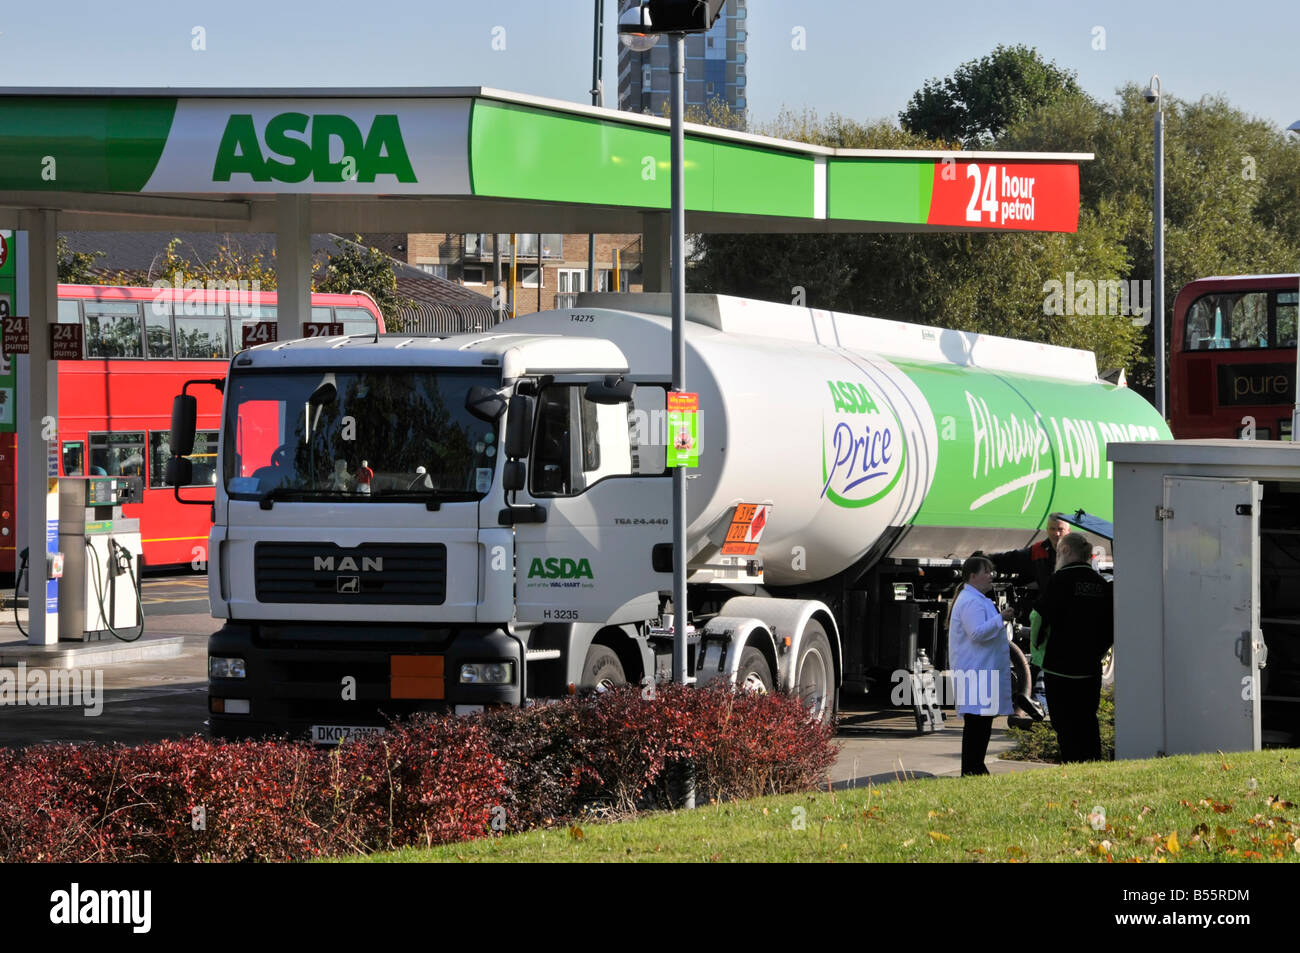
point(509, 537)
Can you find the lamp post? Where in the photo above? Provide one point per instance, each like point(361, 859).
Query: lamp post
point(638, 27)
point(1158, 242)
point(597, 99)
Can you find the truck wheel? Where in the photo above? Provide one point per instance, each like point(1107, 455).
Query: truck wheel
point(754, 674)
point(814, 673)
point(602, 670)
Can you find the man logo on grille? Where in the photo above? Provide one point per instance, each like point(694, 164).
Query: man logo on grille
point(347, 583)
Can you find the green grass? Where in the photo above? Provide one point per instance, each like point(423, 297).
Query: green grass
point(1217, 808)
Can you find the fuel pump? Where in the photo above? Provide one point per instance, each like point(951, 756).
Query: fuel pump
point(99, 596)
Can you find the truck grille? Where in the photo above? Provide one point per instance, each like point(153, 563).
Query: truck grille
point(371, 574)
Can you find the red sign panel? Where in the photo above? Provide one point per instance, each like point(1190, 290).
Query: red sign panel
point(1033, 196)
point(322, 329)
point(65, 342)
point(263, 332)
point(15, 327)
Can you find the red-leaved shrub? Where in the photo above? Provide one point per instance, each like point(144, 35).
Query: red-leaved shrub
point(430, 780)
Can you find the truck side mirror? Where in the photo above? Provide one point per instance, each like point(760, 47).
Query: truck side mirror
point(485, 403)
point(612, 390)
point(519, 427)
point(185, 411)
point(179, 472)
point(514, 475)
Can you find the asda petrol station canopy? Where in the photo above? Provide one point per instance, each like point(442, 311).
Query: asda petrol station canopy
point(478, 159)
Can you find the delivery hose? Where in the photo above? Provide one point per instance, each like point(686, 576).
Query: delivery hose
point(18, 582)
point(116, 552)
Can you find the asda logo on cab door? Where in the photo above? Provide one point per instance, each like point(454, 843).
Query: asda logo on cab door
point(559, 568)
point(294, 147)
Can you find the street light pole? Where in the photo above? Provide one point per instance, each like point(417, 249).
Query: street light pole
point(1158, 243)
point(676, 57)
point(597, 99)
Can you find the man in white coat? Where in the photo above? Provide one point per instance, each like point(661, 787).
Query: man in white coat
point(981, 661)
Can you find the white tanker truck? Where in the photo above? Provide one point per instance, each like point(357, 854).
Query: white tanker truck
point(406, 523)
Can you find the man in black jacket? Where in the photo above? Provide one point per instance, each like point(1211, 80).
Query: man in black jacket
point(1078, 626)
point(1037, 562)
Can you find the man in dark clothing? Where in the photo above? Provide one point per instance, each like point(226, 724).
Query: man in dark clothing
point(1078, 626)
point(1034, 563)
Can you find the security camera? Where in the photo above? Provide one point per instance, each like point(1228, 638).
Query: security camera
point(1152, 92)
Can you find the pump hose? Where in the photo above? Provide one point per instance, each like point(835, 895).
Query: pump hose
point(18, 582)
point(114, 547)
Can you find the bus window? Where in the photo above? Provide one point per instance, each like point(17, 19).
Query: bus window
point(113, 329)
point(355, 320)
point(117, 454)
point(201, 330)
point(158, 330)
point(204, 458)
point(74, 455)
point(1286, 318)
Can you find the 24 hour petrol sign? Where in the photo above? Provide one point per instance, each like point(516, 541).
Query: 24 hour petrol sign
point(1040, 196)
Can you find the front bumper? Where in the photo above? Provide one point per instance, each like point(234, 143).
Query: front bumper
point(305, 674)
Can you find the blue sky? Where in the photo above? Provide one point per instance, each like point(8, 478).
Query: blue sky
point(861, 59)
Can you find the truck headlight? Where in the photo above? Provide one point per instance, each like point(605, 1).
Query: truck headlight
point(487, 673)
point(226, 668)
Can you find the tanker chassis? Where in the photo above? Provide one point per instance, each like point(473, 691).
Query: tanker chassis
point(406, 523)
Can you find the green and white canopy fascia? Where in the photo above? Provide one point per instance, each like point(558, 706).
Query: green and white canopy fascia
point(558, 165)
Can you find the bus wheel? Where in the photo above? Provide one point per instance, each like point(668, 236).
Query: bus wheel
point(814, 673)
point(602, 670)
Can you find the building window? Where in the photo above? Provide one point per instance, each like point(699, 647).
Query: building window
point(708, 89)
point(474, 275)
point(645, 77)
point(605, 277)
point(528, 276)
point(438, 271)
point(572, 280)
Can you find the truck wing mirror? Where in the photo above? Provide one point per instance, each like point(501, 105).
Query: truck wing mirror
point(485, 403)
point(519, 427)
point(179, 472)
point(185, 410)
point(612, 390)
point(514, 475)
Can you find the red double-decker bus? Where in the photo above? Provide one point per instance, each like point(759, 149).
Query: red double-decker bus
point(140, 345)
point(1233, 354)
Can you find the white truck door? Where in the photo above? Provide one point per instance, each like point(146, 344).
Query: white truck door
point(598, 472)
point(1212, 639)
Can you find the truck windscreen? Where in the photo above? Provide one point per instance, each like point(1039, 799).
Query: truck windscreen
point(372, 435)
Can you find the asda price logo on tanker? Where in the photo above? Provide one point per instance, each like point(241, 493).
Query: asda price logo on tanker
point(293, 147)
point(559, 572)
point(862, 446)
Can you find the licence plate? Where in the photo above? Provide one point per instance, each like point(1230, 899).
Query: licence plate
point(333, 734)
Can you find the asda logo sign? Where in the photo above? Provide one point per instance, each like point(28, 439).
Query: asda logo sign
point(560, 568)
point(294, 147)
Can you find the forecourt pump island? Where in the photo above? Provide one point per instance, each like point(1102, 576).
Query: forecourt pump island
point(498, 530)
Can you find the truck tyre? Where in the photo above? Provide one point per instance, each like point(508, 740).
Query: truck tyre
point(602, 670)
point(814, 673)
point(754, 674)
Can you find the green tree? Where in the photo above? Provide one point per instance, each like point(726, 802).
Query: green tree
point(983, 97)
point(1232, 187)
point(356, 267)
point(76, 267)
